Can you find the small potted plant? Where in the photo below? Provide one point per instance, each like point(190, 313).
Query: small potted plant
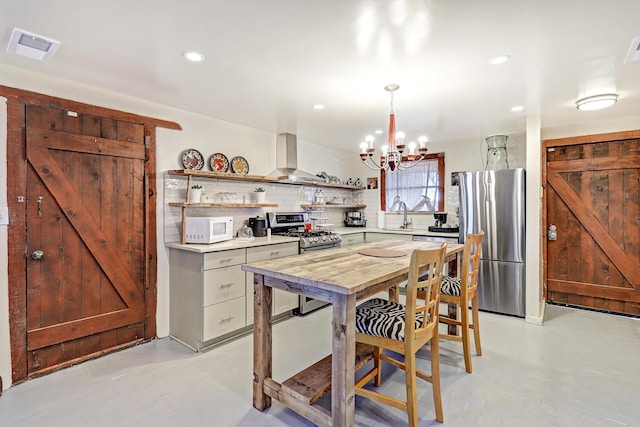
point(260, 194)
point(196, 192)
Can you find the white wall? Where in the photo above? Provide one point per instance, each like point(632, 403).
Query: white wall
point(534, 304)
point(470, 155)
point(5, 350)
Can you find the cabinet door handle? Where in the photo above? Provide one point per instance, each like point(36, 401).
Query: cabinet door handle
point(275, 253)
point(226, 285)
point(226, 319)
point(222, 261)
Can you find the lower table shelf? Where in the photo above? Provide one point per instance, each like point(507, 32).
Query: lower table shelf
point(310, 384)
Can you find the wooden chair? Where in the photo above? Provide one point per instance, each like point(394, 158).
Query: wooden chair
point(462, 291)
point(404, 329)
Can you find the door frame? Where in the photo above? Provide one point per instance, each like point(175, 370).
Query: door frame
point(17, 100)
point(560, 142)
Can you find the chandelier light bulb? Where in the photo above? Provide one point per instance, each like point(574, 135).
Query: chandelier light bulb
point(412, 151)
point(369, 139)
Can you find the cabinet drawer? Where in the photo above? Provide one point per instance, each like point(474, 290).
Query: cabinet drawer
point(220, 319)
point(223, 258)
point(352, 239)
point(261, 253)
point(223, 284)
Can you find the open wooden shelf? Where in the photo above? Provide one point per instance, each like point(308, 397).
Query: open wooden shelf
point(222, 205)
point(307, 206)
point(222, 175)
point(256, 178)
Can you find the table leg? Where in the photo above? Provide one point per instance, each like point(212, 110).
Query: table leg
point(262, 354)
point(343, 361)
point(452, 309)
point(394, 293)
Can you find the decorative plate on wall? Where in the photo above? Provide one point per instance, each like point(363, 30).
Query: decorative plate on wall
point(218, 162)
point(192, 159)
point(239, 165)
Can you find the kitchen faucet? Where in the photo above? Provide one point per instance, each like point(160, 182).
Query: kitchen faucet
point(403, 207)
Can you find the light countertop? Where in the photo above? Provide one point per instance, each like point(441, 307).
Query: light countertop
point(263, 241)
point(232, 244)
point(410, 231)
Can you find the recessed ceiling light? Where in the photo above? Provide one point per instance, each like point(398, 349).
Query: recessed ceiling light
point(31, 45)
point(634, 51)
point(319, 106)
point(378, 131)
point(597, 102)
point(193, 56)
point(499, 59)
point(517, 108)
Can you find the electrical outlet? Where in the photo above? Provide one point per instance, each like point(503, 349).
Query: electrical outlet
point(4, 215)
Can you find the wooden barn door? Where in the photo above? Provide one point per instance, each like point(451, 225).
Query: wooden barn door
point(85, 236)
point(593, 199)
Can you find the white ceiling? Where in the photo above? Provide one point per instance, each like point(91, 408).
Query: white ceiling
point(268, 62)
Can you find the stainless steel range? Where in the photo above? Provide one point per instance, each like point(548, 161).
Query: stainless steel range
point(297, 224)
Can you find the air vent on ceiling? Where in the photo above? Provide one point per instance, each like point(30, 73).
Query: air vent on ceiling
point(32, 45)
point(634, 51)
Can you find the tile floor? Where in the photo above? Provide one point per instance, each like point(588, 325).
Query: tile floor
point(579, 369)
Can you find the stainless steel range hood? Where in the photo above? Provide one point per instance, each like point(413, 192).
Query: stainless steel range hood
point(287, 161)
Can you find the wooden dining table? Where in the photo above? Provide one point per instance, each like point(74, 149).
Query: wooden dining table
point(340, 276)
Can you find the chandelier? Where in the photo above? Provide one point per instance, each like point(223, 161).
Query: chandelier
point(392, 154)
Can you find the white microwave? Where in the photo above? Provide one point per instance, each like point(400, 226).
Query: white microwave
point(209, 229)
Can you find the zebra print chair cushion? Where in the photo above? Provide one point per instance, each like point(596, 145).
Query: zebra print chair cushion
point(382, 318)
point(450, 285)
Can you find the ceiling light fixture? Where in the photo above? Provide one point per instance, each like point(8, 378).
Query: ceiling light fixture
point(597, 102)
point(391, 158)
point(193, 56)
point(517, 108)
point(31, 45)
point(318, 106)
point(499, 59)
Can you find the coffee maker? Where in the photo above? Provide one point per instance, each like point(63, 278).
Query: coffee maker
point(355, 219)
point(441, 225)
point(441, 218)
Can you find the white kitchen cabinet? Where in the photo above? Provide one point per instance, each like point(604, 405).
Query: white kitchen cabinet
point(283, 301)
point(207, 296)
point(352, 239)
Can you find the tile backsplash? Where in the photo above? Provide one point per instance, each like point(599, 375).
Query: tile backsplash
point(288, 197)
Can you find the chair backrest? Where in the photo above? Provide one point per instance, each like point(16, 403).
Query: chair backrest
point(471, 261)
point(428, 264)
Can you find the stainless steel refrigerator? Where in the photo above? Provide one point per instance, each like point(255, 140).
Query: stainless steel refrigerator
point(494, 202)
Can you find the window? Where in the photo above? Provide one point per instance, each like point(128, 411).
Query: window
point(421, 187)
